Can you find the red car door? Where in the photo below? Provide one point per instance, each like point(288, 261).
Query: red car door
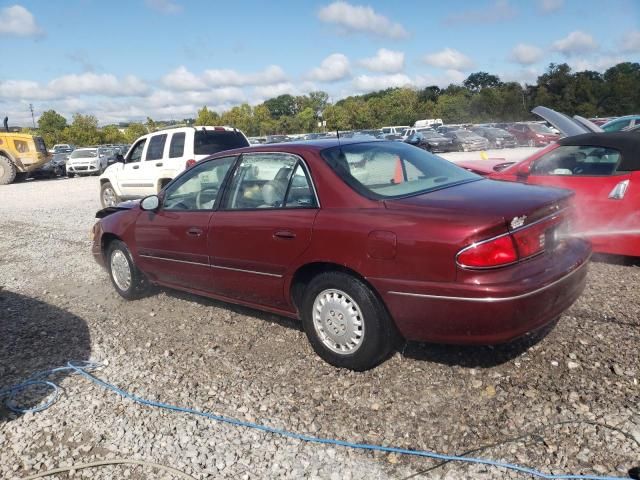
point(264, 225)
point(606, 199)
point(171, 242)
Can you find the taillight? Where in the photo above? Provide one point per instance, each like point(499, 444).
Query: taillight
point(530, 241)
point(493, 253)
point(190, 163)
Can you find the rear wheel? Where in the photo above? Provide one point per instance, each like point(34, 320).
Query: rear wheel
point(345, 322)
point(128, 281)
point(108, 195)
point(7, 171)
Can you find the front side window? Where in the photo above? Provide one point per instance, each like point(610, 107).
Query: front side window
point(393, 169)
point(261, 181)
point(21, 146)
point(578, 160)
point(176, 149)
point(136, 152)
point(156, 147)
point(199, 188)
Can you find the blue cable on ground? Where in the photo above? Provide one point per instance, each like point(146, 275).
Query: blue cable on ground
point(83, 368)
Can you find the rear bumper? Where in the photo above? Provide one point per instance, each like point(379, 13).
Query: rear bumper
point(477, 314)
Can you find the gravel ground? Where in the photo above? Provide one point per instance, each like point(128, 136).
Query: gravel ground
point(567, 402)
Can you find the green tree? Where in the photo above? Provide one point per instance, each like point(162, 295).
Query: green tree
point(134, 131)
point(151, 125)
point(51, 125)
point(112, 134)
point(207, 117)
point(281, 105)
point(83, 130)
point(480, 80)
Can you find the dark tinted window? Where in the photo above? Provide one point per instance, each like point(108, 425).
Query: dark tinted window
point(176, 149)
point(156, 147)
point(578, 161)
point(136, 152)
point(208, 142)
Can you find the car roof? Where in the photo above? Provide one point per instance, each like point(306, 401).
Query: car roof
point(627, 143)
point(299, 146)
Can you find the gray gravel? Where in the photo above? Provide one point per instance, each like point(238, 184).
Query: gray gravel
point(575, 391)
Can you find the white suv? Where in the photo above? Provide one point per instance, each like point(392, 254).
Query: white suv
point(155, 159)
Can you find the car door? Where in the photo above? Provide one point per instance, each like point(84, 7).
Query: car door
point(172, 242)
point(264, 224)
point(605, 198)
point(152, 164)
point(129, 174)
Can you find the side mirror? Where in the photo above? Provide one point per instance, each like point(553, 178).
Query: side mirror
point(119, 158)
point(150, 203)
point(523, 170)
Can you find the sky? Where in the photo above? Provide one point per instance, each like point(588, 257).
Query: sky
point(165, 59)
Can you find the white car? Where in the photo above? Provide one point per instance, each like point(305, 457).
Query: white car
point(156, 158)
point(85, 161)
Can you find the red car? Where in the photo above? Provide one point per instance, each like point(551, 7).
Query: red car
point(532, 134)
point(365, 242)
point(603, 169)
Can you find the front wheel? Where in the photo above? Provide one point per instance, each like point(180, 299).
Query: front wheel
point(345, 322)
point(128, 281)
point(7, 171)
point(108, 195)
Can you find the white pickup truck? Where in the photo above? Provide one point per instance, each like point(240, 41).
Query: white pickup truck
point(156, 158)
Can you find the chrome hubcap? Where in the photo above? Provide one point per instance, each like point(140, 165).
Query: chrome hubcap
point(109, 197)
point(338, 321)
point(120, 270)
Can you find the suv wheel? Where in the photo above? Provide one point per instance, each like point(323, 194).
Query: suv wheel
point(108, 196)
point(345, 322)
point(7, 171)
point(128, 281)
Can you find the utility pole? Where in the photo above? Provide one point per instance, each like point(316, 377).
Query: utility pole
point(32, 117)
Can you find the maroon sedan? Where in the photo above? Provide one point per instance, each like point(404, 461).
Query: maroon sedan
point(365, 242)
point(532, 134)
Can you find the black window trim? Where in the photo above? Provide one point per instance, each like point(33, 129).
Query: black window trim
point(184, 142)
point(299, 161)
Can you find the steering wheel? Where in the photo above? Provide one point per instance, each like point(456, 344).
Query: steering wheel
point(206, 198)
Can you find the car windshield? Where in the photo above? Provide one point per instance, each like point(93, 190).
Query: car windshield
point(208, 142)
point(393, 169)
point(536, 127)
point(465, 134)
point(84, 153)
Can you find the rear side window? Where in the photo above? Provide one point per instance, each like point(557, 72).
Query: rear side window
point(578, 161)
point(156, 147)
point(176, 149)
point(208, 142)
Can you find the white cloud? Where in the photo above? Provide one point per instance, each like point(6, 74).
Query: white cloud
point(631, 42)
point(270, 91)
point(164, 6)
point(499, 11)
point(360, 19)
point(369, 83)
point(448, 59)
point(575, 43)
point(387, 61)
point(18, 21)
point(220, 78)
point(27, 89)
point(334, 67)
point(94, 84)
point(597, 64)
point(526, 54)
point(183, 79)
point(442, 80)
point(528, 75)
point(550, 6)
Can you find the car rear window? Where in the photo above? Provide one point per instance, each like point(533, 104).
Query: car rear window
point(393, 169)
point(208, 142)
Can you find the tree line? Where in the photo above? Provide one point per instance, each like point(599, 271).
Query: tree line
point(482, 97)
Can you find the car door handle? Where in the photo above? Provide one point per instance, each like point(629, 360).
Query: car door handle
point(285, 234)
point(194, 232)
point(159, 164)
point(135, 167)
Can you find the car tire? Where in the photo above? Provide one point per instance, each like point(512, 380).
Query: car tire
point(70, 174)
point(108, 195)
point(126, 278)
point(336, 305)
point(7, 171)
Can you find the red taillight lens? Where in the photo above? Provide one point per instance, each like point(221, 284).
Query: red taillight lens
point(494, 253)
point(531, 240)
point(190, 163)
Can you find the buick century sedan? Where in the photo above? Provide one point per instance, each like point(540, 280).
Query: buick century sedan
point(366, 242)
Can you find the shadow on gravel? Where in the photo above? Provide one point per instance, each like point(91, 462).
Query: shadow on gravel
point(36, 336)
point(475, 356)
point(616, 260)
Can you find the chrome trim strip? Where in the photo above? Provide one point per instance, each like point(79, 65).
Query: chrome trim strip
point(490, 299)
point(137, 184)
point(275, 275)
point(174, 260)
